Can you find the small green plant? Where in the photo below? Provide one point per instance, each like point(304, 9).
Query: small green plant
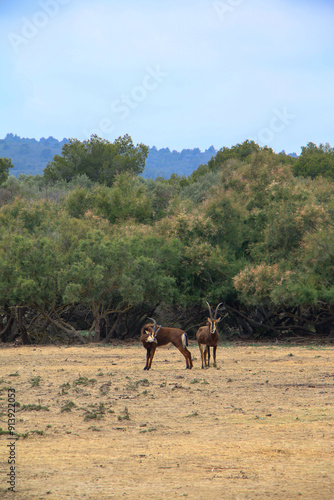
point(195, 381)
point(67, 406)
point(84, 381)
point(96, 414)
point(16, 374)
point(124, 415)
point(34, 408)
point(143, 382)
point(40, 433)
point(64, 389)
point(2, 432)
point(105, 388)
point(91, 415)
point(133, 386)
point(35, 381)
point(164, 383)
point(193, 414)
point(67, 385)
point(151, 429)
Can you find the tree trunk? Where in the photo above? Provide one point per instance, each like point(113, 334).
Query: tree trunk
point(22, 327)
point(113, 328)
point(65, 328)
point(4, 335)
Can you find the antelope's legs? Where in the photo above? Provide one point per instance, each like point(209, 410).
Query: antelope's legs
point(207, 356)
point(202, 354)
point(148, 354)
point(214, 355)
point(187, 355)
point(208, 349)
point(153, 348)
point(149, 357)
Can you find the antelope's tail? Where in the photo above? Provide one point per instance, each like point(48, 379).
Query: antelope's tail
point(184, 339)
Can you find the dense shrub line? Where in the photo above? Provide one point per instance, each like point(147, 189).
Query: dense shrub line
point(88, 261)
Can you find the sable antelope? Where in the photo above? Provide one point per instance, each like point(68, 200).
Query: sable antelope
point(208, 335)
point(153, 336)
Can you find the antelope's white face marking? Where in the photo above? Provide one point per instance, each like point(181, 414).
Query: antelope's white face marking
point(151, 337)
point(213, 324)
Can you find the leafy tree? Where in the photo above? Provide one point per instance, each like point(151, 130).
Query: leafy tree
point(28, 269)
point(244, 152)
point(111, 274)
point(237, 152)
point(204, 266)
point(98, 158)
point(257, 284)
point(127, 199)
point(5, 165)
point(315, 161)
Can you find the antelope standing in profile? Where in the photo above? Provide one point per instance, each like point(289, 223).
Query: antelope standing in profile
point(153, 336)
point(208, 336)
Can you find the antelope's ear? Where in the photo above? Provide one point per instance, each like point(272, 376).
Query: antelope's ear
point(218, 319)
point(209, 320)
point(147, 332)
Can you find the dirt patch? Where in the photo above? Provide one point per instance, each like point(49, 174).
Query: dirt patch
point(92, 424)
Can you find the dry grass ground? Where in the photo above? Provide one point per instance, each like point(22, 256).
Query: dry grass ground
point(259, 426)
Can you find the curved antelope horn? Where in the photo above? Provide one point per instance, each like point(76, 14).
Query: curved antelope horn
point(155, 324)
point(209, 310)
point(216, 311)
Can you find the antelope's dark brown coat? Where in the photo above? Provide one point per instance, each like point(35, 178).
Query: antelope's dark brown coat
point(164, 336)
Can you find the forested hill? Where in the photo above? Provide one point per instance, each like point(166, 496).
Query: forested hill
point(163, 162)
point(30, 156)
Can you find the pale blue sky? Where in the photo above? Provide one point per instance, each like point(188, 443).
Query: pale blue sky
point(177, 74)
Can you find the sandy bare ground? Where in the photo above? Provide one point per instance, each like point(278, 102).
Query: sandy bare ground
point(259, 426)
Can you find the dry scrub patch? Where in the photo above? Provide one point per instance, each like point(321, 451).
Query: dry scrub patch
point(93, 424)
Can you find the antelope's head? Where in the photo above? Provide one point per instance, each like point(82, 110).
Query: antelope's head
point(213, 320)
point(152, 332)
point(150, 336)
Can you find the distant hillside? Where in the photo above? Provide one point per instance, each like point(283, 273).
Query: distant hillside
point(163, 162)
point(30, 156)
